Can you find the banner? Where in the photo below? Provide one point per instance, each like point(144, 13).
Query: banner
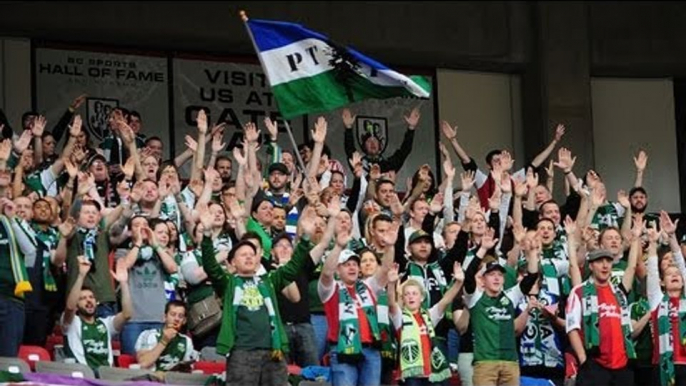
point(137, 83)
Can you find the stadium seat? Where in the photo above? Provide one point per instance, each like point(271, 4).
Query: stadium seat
point(33, 354)
point(209, 354)
point(74, 370)
point(119, 374)
point(14, 365)
point(210, 368)
point(176, 378)
point(313, 383)
point(52, 341)
point(125, 361)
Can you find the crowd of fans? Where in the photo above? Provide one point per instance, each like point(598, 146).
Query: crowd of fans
point(274, 262)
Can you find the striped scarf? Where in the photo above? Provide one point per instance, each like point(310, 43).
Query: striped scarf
point(274, 322)
point(666, 338)
point(349, 346)
point(411, 355)
point(591, 320)
point(21, 278)
point(388, 343)
point(49, 239)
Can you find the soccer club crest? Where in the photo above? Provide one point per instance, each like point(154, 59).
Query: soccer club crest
point(97, 113)
point(370, 129)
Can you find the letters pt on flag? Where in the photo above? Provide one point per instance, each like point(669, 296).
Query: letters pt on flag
point(310, 73)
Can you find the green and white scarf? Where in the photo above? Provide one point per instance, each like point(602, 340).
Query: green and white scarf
point(411, 356)
point(89, 242)
point(49, 238)
point(173, 353)
point(591, 321)
point(388, 343)
point(21, 278)
point(666, 339)
point(274, 321)
point(349, 346)
point(420, 274)
point(606, 216)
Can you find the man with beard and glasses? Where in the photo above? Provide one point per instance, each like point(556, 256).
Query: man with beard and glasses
point(87, 337)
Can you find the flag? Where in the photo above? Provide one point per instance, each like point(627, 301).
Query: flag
point(309, 73)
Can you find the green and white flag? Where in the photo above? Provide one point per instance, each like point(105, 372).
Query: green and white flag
point(309, 73)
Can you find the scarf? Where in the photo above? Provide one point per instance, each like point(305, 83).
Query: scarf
point(419, 273)
point(173, 353)
point(21, 278)
point(89, 242)
point(349, 346)
point(388, 344)
point(411, 356)
point(606, 216)
point(49, 239)
point(263, 288)
point(170, 211)
point(591, 320)
point(666, 339)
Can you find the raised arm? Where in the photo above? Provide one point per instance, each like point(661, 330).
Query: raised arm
point(542, 156)
point(397, 159)
point(333, 210)
point(449, 295)
point(199, 160)
point(212, 268)
point(348, 140)
point(451, 134)
point(319, 136)
point(630, 271)
point(37, 128)
point(640, 161)
point(75, 293)
point(572, 246)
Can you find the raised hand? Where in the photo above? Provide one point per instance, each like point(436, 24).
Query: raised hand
point(473, 208)
point(75, 128)
point(126, 133)
point(467, 178)
point(217, 144)
point(201, 121)
point(237, 210)
point(488, 240)
point(531, 178)
point(239, 157)
point(86, 183)
point(519, 232)
point(520, 188)
point(570, 226)
point(84, 266)
point(210, 175)
point(393, 274)
point(129, 168)
point(565, 161)
point(444, 150)
point(348, 118)
point(5, 148)
point(272, 128)
point(637, 228)
point(38, 125)
point(550, 170)
point(641, 161)
point(21, 144)
point(391, 236)
point(251, 133)
point(334, 206)
point(319, 132)
point(653, 235)
point(666, 223)
point(191, 143)
point(121, 275)
point(78, 101)
point(396, 206)
point(67, 228)
point(623, 199)
point(559, 132)
point(597, 197)
point(413, 119)
point(506, 161)
point(137, 192)
point(448, 130)
point(437, 203)
point(217, 129)
point(495, 199)
point(458, 272)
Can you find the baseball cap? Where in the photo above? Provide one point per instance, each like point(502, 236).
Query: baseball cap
point(492, 266)
point(236, 247)
point(346, 255)
point(278, 167)
point(418, 235)
point(599, 254)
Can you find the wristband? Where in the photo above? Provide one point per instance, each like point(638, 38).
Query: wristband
point(567, 172)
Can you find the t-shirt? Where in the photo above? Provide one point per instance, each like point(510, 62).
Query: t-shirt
point(146, 280)
point(252, 319)
point(329, 296)
point(540, 329)
point(612, 353)
point(297, 312)
point(643, 343)
point(98, 278)
point(180, 349)
point(90, 343)
point(492, 319)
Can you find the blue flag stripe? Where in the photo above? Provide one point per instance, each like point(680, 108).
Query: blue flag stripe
point(270, 35)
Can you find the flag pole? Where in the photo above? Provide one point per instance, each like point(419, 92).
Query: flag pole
point(244, 17)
